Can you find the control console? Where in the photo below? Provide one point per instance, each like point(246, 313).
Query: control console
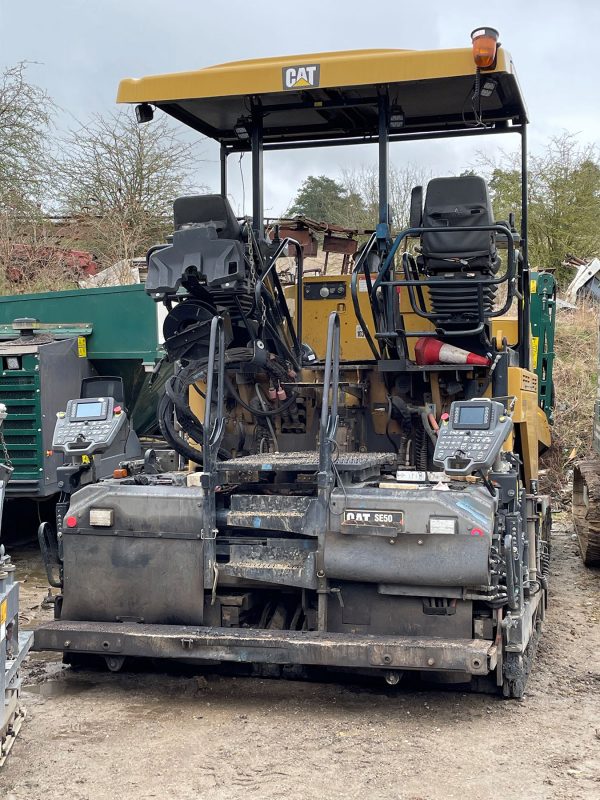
point(472, 437)
point(89, 426)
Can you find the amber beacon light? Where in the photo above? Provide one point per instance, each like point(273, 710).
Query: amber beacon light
point(485, 44)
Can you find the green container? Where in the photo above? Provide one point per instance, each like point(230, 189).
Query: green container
point(123, 319)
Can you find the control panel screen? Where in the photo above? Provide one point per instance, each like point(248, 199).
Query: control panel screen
point(86, 410)
point(472, 415)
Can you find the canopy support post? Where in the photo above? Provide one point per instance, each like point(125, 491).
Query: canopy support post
point(223, 171)
point(384, 152)
point(257, 170)
point(524, 306)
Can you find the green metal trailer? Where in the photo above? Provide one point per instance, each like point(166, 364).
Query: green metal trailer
point(542, 316)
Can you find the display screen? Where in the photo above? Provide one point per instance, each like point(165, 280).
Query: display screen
point(84, 410)
point(471, 415)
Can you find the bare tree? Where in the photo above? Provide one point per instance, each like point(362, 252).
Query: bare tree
point(29, 259)
point(364, 181)
point(122, 178)
point(26, 114)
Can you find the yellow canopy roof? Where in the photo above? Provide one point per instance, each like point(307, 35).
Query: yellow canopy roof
point(330, 95)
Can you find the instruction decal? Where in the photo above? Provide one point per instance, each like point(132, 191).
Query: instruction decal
point(3, 609)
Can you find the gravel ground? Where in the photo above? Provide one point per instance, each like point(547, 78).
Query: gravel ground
point(95, 736)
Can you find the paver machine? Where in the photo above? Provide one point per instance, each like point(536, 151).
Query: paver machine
point(362, 490)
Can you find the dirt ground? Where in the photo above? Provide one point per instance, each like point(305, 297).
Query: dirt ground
point(95, 736)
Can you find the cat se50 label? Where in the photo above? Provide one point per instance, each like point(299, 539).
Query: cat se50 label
point(303, 76)
point(374, 519)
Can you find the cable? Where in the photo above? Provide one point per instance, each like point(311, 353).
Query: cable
point(255, 411)
point(263, 404)
point(243, 184)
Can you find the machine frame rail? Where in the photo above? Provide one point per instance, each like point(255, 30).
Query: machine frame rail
point(319, 648)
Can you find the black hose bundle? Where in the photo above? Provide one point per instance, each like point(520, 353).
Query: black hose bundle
point(175, 401)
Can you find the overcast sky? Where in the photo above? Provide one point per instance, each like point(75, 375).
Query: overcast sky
point(82, 48)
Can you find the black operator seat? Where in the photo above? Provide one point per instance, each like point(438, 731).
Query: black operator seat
point(462, 202)
point(456, 262)
point(207, 248)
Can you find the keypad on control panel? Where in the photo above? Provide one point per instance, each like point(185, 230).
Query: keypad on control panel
point(85, 437)
point(476, 449)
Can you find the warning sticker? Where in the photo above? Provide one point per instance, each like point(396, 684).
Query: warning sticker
point(360, 334)
point(3, 611)
point(535, 343)
point(81, 347)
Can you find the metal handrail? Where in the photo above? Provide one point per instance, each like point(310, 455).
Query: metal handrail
point(465, 282)
point(331, 382)
point(214, 426)
point(411, 284)
point(362, 260)
point(295, 330)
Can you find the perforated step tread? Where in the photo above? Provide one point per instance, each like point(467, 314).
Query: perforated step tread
point(304, 462)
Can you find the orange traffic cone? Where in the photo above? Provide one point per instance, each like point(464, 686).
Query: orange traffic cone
point(433, 351)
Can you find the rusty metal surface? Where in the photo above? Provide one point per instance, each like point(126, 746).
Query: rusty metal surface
point(473, 656)
point(269, 512)
point(283, 563)
point(339, 244)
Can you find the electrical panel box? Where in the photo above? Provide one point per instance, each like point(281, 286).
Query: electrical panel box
point(322, 294)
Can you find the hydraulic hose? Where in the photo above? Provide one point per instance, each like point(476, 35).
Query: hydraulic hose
point(165, 413)
point(257, 412)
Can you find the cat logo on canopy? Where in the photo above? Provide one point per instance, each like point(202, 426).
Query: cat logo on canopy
point(305, 76)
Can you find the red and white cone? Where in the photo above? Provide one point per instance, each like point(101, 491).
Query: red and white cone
point(432, 351)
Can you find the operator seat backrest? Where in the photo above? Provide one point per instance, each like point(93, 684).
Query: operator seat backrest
point(415, 218)
point(207, 209)
point(452, 203)
point(207, 249)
